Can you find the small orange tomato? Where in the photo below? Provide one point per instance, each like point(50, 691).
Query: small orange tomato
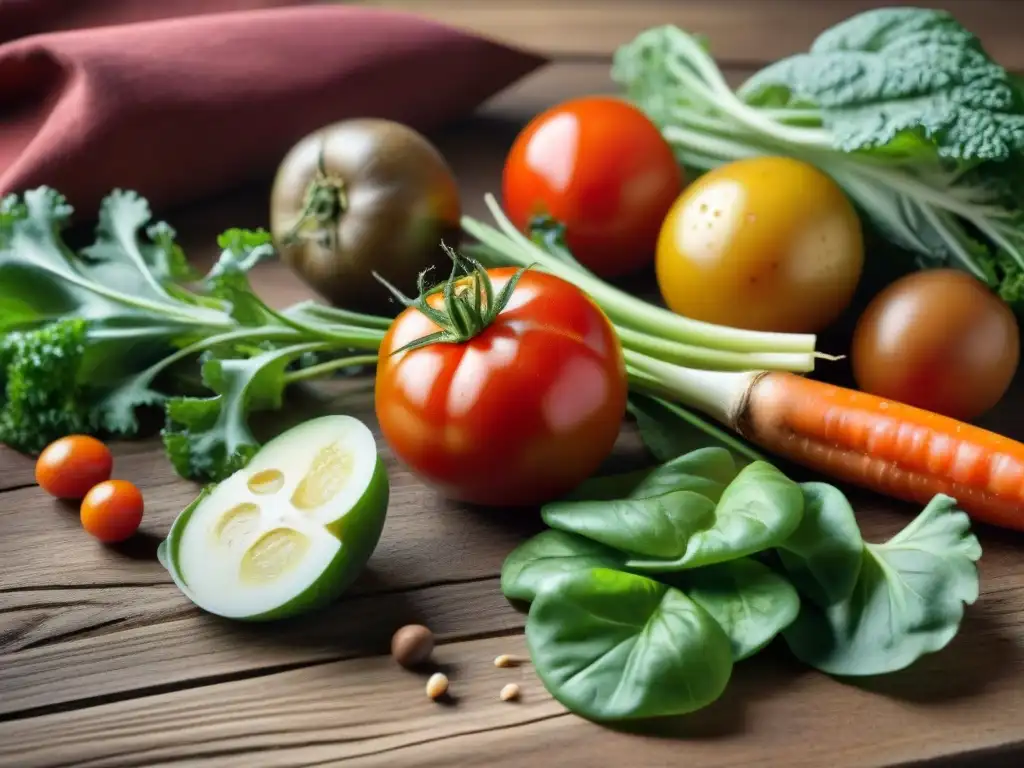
point(67, 468)
point(112, 510)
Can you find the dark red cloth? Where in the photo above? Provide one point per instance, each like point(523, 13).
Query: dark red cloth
point(183, 107)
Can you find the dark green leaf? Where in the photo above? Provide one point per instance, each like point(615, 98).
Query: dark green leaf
point(749, 601)
point(539, 561)
point(823, 555)
point(658, 527)
point(613, 646)
point(888, 71)
point(908, 600)
point(209, 438)
point(706, 471)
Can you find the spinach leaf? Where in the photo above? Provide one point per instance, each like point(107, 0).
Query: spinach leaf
point(749, 601)
point(659, 527)
point(823, 555)
point(610, 645)
point(908, 599)
point(539, 561)
point(705, 471)
point(758, 510)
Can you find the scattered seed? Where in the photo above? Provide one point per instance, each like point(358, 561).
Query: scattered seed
point(437, 685)
point(412, 645)
point(510, 692)
point(505, 660)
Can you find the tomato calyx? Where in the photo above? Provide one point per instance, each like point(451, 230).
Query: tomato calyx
point(325, 202)
point(470, 303)
point(549, 233)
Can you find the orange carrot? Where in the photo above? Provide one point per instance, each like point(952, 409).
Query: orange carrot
point(889, 447)
point(894, 449)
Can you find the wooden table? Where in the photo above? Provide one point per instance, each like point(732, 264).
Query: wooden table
point(104, 662)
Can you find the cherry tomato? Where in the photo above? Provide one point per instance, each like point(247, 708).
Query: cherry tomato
point(939, 340)
point(600, 167)
point(768, 244)
point(67, 468)
point(112, 510)
point(517, 415)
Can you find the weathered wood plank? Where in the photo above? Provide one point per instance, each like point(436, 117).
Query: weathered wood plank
point(739, 31)
point(153, 625)
point(331, 712)
point(368, 712)
point(198, 648)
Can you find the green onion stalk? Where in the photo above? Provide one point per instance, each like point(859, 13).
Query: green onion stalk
point(650, 334)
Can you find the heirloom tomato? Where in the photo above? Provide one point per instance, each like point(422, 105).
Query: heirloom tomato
point(938, 339)
point(512, 402)
point(765, 243)
point(601, 168)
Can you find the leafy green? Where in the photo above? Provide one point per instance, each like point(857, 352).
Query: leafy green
point(705, 471)
point(908, 599)
point(682, 529)
point(901, 106)
point(623, 591)
point(613, 646)
point(540, 560)
point(92, 336)
point(933, 76)
point(823, 555)
point(749, 601)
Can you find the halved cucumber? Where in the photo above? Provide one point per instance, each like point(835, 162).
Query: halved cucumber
point(290, 531)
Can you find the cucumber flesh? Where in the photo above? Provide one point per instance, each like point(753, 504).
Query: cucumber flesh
point(290, 530)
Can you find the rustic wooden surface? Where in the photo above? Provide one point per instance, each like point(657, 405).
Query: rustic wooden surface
point(104, 663)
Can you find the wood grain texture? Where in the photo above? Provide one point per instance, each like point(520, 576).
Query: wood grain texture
point(372, 713)
point(104, 663)
point(740, 31)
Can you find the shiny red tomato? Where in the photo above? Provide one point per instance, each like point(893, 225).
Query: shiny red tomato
point(599, 166)
point(517, 415)
point(112, 510)
point(67, 468)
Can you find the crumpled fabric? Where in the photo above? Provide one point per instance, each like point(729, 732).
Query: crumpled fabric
point(182, 100)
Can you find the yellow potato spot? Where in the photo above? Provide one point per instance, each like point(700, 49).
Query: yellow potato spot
point(272, 555)
point(266, 482)
point(328, 474)
point(238, 524)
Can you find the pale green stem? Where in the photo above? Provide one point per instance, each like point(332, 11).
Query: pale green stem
point(318, 370)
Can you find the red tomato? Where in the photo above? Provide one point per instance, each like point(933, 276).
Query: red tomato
point(599, 166)
point(67, 468)
point(519, 414)
point(112, 510)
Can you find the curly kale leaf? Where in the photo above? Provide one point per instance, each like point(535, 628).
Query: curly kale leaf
point(88, 333)
point(893, 74)
point(209, 438)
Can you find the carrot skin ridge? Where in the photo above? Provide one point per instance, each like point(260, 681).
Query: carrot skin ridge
point(885, 446)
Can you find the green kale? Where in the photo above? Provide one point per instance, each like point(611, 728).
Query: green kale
point(89, 337)
point(901, 106)
point(881, 74)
